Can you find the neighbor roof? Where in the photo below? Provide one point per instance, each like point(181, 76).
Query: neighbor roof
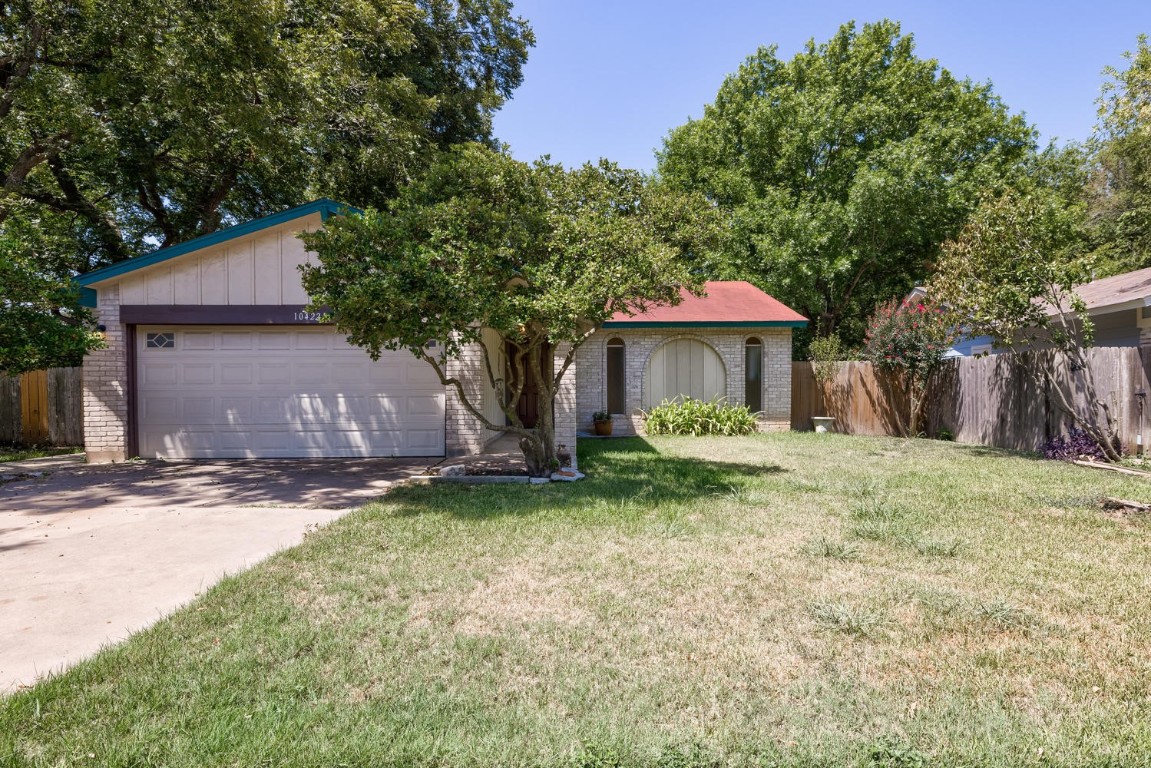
point(324, 206)
point(1129, 287)
point(727, 303)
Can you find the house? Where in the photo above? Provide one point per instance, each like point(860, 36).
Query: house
point(1119, 307)
point(734, 343)
point(211, 353)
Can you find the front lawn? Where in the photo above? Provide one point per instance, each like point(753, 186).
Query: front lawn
point(771, 600)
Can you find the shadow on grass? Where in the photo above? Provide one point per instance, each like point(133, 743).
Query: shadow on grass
point(989, 452)
point(619, 471)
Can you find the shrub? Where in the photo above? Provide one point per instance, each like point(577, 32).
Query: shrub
point(700, 417)
point(1071, 446)
point(906, 343)
point(826, 354)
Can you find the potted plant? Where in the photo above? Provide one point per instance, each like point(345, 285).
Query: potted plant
point(602, 421)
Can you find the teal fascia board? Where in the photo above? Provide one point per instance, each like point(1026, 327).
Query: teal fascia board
point(323, 206)
point(707, 324)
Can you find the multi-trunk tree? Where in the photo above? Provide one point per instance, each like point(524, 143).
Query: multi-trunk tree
point(536, 254)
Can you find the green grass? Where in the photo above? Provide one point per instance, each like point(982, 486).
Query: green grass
point(12, 453)
point(775, 600)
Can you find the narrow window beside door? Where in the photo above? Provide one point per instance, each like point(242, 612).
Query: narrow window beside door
point(616, 377)
point(753, 374)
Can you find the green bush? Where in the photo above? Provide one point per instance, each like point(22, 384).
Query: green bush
point(700, 417)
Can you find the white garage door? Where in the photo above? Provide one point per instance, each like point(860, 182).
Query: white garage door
point(237, 392)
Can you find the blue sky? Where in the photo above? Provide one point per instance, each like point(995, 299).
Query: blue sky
point(610, 79)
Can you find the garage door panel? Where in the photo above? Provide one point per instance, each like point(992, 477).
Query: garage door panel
point(313, 341)
point(310, 374)
point(381, 374)
point(276, 410)
point(236, 340)
point(275, 340)
point(235, 373)
point(274, 373)
point(238, 393)
point(199, 410)
point(161, 374)
point(198, 373)
point(162, 410)
point(195, 340)
point(424, 405)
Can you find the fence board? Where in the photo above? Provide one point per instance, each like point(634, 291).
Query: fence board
point(10, 427)
point(66, 406)
point(34, 407)
point(993, 401)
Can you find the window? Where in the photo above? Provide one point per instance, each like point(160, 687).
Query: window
point(165, 340)
point(753, 374)
point(616, 377)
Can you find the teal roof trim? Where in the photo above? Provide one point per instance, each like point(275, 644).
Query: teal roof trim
point(324, 206)
point(709, 324)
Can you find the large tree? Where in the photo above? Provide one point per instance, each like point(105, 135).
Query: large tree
point(540, 255)
point(126, 126)
point(1011, 274)
point(1121, 188)
point(844, 168)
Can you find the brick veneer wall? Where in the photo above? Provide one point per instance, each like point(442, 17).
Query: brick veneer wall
point(640, 343)
point(465, 433)
point(106, 386)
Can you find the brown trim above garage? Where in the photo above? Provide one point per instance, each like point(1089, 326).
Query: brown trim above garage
point(220, 314)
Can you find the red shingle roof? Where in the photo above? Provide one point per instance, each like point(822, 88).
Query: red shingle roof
point(726, 302)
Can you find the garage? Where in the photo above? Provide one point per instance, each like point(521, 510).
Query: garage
point(212, 349)
point(280, 392)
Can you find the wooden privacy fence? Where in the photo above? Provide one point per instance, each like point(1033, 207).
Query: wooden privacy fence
point(42, 408)
point(992, 401)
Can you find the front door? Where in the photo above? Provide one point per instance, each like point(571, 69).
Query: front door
point(528, 406)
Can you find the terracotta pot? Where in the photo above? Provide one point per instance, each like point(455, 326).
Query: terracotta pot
point(603, 428)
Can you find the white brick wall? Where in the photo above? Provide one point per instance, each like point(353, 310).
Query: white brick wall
point(106, 386)
point(640, 343)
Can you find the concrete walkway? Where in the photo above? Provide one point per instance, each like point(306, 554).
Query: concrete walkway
point(90, 554)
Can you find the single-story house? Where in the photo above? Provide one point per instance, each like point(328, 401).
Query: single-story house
point(1119, 307)
point(211, 353)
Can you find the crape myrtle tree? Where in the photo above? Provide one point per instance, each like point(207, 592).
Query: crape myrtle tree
point(538, 254)
point(906, 341)
point(1011, 275)
point(844, 169)
point(130, 125)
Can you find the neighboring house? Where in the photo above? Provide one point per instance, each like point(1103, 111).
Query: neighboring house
point(210, 353)
point(1119, 307)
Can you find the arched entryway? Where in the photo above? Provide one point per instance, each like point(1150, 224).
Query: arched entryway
point(684, 368)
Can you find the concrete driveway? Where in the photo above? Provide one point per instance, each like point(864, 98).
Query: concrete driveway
point(90, 554)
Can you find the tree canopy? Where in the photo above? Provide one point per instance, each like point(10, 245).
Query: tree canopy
point(127, 126)
point(1121, 190)
point(537, 253)
point(844, 169)
point(1011, 274)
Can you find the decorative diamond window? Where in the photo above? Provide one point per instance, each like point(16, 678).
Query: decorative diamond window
point(165, 340)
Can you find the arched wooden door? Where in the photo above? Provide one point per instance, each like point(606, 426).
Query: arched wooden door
point(684, 368)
